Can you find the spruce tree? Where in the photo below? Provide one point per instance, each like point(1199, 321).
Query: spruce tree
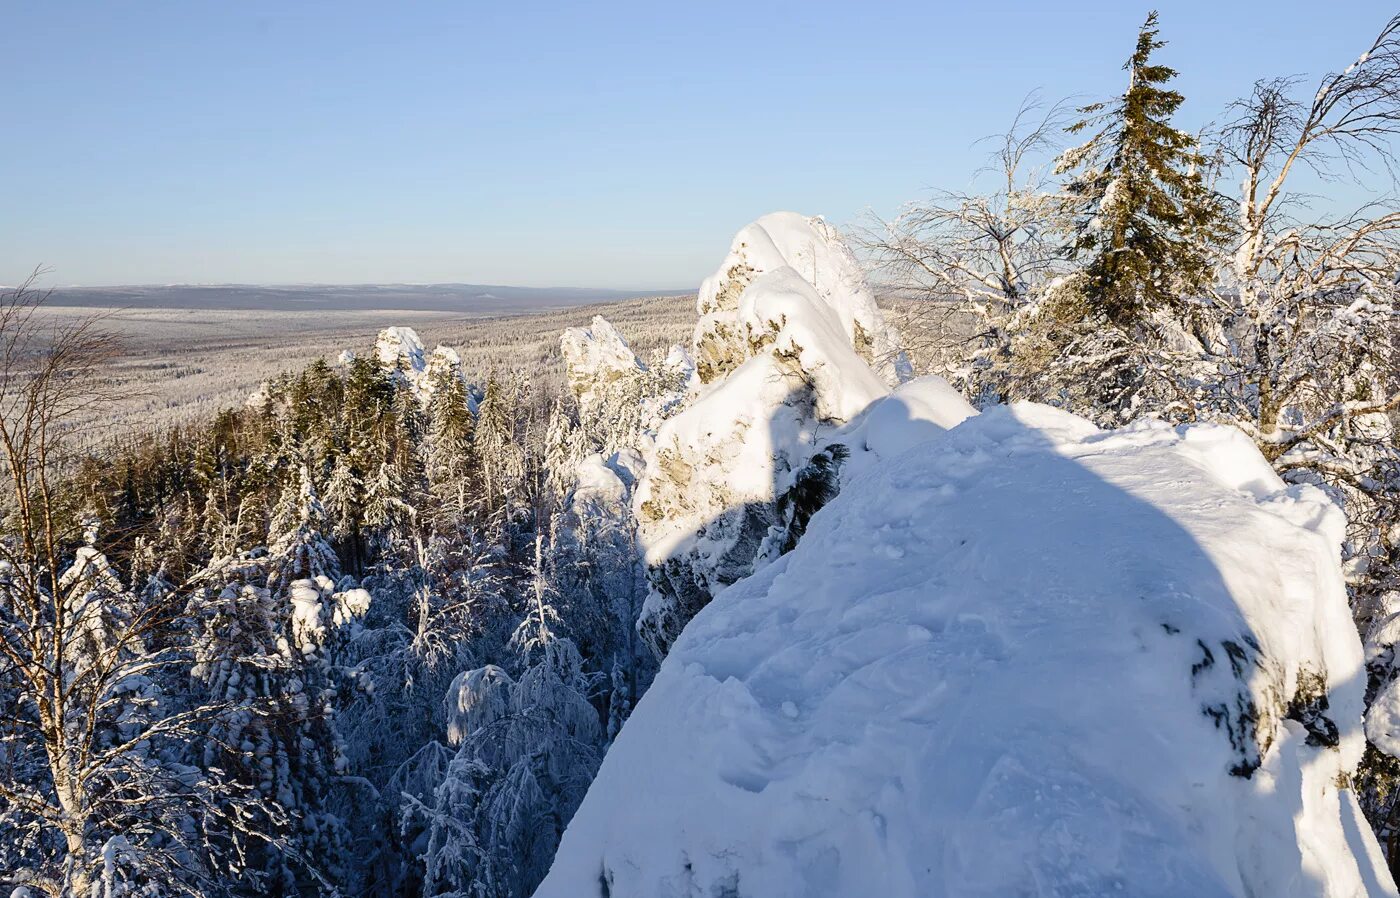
point(528, 747)
point(387, 517)
point(497, 451)
point(564, 448)
point(449, 444)
point(296, 536)
point(345, 494)
point(1145, 223)
point(368, 392)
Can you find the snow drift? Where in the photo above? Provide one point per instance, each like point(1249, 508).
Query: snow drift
point(1022, 657)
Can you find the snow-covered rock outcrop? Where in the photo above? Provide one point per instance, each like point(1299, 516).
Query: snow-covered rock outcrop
point(1022, 657)
point(622, 401)
point(595, 359)
point(814, 251)
point(400, 351)
point(792, 351)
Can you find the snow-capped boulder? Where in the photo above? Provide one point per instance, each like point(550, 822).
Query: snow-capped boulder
point(815, 252)
point(914, 413)
point(1023, 657)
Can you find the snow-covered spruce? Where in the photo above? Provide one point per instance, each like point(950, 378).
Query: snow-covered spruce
point(1026, 657)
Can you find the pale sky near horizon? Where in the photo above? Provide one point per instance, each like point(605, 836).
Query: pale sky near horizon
point(530, 144)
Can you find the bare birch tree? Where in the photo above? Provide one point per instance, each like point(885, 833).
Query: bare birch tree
point(965, 267)
point(93, 787)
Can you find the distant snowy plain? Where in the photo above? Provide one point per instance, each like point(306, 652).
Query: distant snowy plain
point(181, 364)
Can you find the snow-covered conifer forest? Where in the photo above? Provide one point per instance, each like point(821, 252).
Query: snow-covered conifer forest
point(1042, 541)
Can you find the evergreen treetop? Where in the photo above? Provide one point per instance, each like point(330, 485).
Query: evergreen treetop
point(1145, 223)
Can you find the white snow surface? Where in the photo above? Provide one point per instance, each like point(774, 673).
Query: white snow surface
point(1018, 658)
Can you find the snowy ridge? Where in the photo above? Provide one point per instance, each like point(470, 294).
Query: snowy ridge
point(1025, 657)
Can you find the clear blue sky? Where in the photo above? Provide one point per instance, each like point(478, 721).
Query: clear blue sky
point(610, 144)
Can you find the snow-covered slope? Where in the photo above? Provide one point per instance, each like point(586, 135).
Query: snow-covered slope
point(1020, 658)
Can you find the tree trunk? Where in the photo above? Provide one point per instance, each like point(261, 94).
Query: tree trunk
point(1264, 383)
point(77, 876)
